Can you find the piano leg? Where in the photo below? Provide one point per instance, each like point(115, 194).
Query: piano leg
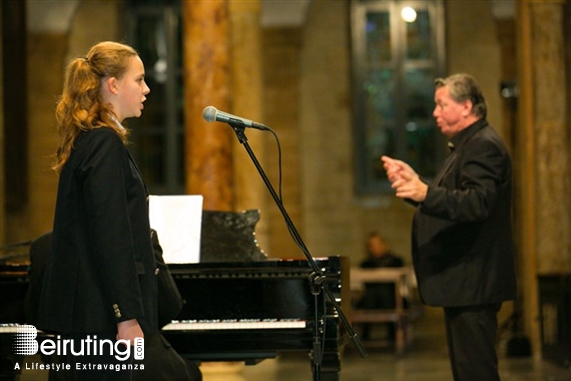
point(330, 367)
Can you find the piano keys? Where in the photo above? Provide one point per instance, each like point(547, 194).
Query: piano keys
point(250, 311)
point(9, 328)
point(207, 325)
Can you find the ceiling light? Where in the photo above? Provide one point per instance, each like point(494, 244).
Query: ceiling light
point(408, 14)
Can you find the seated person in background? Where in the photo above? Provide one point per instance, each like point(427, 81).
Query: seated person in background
point(378, 295)
point(379, 254)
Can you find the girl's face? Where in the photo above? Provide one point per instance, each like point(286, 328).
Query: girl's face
point(131, 91)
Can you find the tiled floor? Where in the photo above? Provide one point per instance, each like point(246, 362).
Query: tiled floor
point(426, 360)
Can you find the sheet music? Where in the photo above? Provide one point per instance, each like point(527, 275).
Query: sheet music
point(177, 220)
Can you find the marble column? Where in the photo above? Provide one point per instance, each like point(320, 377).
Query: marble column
point(552, 144)
point(2, 182)
point(544, 158)
point(208, 157)
point(246, 99)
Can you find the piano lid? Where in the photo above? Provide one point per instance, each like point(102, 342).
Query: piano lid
point(230, 237)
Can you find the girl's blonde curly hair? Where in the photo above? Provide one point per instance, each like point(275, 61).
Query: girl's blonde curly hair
point(81, 106)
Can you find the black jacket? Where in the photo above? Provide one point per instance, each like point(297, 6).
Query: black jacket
point(101, 268)
point(462, 236)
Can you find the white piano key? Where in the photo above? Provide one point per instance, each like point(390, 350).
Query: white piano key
point(236, 324)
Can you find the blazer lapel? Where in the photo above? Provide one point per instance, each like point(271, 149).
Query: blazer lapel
point(138, 171)
point(445, 167)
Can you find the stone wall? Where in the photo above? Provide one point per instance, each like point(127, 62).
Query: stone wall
point(281, 74)
point(70, 32)
point(336, 220)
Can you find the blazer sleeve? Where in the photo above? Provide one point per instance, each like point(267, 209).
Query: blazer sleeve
point(104, 173)
point(170, 301)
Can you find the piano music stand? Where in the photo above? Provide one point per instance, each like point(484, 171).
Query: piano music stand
point(316, 278)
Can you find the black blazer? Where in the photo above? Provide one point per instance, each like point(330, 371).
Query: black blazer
point(462, 236)
point(101, 268)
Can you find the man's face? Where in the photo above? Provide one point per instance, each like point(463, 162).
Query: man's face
point(377, 246)
point(451, 116)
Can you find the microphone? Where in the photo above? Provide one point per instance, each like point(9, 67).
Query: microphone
point(211, 114)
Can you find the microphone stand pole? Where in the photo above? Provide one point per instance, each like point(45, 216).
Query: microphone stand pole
point(317, 278)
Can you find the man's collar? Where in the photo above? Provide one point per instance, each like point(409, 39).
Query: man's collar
point(462, 136)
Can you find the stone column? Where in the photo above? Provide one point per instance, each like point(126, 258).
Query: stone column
point(206, 82)
point(544, 158)
point(247, 89)
point(2, 217)
point(552, 147)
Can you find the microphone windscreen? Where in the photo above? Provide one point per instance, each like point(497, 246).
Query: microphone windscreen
point(209, 113)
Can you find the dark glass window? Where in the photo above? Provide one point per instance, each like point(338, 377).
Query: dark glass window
point(157, 137)
point(394, 65)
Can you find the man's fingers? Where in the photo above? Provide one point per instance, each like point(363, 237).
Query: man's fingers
point(406, 175)
point(386, 159)
point(397, 184)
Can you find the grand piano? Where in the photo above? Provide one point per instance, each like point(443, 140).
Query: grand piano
point(241, 305)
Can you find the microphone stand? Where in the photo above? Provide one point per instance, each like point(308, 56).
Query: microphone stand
point(316, 278)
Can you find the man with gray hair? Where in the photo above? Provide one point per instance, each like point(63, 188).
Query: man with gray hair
point(462, 233)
